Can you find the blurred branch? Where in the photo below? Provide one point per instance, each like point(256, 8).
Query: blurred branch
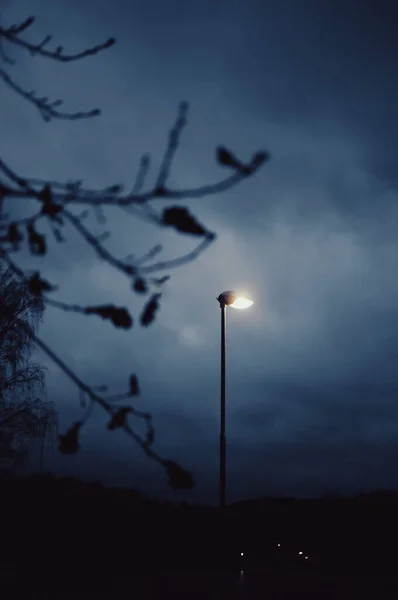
point(56, 201)
point(46, 108)
point(142, 442)
point(11, 35)
point(93, 198)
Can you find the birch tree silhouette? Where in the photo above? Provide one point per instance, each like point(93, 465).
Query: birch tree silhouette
point(59, 204)
point(25, 420)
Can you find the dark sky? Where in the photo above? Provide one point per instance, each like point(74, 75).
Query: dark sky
point(312, 380)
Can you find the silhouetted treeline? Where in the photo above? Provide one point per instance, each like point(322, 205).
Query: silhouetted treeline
point(65, 530)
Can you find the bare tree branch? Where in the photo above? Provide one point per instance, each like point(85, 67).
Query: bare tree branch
point(56, 202)
point(46, 108)
point(11, 35)
point(143, 443)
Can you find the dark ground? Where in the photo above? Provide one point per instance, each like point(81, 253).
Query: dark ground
point(64, 539)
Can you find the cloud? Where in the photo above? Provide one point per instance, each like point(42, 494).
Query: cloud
point(311, 379)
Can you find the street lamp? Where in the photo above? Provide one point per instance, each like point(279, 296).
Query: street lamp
point(238, 301)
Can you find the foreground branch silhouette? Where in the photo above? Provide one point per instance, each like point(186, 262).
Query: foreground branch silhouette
point(57, 203)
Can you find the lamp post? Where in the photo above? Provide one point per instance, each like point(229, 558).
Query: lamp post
point(234, 300)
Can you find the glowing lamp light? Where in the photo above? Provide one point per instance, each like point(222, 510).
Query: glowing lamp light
point(234, 300)
point(241, 553)
point(300, 552)
point(241, 302)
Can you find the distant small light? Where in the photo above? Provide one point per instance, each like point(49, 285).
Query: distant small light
point(241, 553)
point(278, 545)
point(306, 557)
point(300, 552)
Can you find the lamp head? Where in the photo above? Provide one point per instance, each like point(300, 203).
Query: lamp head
point(234, 299)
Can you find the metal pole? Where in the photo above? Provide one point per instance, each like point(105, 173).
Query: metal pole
point(223, 471)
